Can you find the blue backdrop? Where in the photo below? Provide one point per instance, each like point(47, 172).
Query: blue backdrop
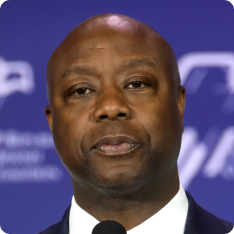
point(33, 181)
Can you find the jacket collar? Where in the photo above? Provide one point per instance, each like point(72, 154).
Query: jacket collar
point(200, 221)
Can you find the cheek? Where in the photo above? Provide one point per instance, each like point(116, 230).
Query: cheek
point(68, 130)
point(164, 127)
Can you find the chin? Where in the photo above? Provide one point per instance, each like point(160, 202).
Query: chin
point(118, 182)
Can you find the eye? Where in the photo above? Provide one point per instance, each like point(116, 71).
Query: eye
point(137, 84)
point(81, 91)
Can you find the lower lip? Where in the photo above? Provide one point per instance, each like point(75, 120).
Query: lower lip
point(122, 148)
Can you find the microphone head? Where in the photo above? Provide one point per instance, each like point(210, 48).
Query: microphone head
point(109, 227)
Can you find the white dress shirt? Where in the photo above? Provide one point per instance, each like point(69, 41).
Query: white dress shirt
point(170, 219)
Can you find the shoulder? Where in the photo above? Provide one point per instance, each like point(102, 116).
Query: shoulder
point(61, 227)
point(52, 229)
point(228, 226)
point(203, 222)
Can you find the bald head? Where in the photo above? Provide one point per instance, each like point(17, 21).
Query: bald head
point(115, 78)
point(102, 26)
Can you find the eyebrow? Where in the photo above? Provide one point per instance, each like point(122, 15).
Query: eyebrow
point(134, 63)
point(80, 70)
point(90, 71)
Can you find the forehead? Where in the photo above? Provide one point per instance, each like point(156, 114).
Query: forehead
point(108, 46)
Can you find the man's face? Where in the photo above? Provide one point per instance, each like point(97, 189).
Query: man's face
point(115, 84)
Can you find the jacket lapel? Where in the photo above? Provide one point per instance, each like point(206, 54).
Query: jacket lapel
point(63, 227)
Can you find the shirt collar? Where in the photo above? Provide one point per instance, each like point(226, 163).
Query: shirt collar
point(170, 219)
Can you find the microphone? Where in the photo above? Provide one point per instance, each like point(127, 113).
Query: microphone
point(109, 227)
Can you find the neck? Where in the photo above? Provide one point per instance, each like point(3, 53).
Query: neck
point(130, 208)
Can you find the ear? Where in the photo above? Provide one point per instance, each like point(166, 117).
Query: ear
point(181, 101)
point(49, 117)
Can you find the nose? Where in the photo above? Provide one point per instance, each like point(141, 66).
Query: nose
point(112, 105)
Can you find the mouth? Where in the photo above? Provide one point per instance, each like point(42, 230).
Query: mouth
point(117, 145)
point(122, 148)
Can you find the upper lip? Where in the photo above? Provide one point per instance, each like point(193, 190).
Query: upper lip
point(114, 140)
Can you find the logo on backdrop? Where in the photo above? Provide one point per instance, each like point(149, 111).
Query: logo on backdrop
point(2, 1)
point(22, 154)
point(15, 76)
point(213, 155)
point(1, 231)
point(231, 1)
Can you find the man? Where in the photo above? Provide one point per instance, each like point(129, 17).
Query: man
point(116, 113)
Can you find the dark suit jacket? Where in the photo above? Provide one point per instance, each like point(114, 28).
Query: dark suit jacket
point(199, 221)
